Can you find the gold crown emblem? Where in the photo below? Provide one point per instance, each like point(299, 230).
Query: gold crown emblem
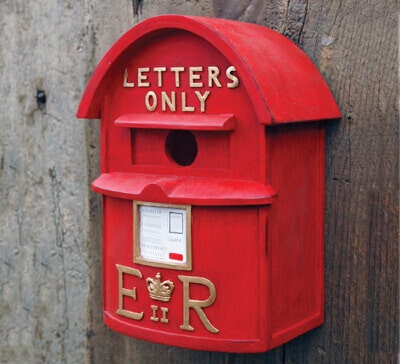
point(160, 291)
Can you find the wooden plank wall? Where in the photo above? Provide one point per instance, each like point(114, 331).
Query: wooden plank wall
point(50, 230)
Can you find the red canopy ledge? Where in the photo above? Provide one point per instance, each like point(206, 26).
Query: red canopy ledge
point(284, 85)
point(174, 189)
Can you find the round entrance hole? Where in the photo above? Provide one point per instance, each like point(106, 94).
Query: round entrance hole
point(181, 147)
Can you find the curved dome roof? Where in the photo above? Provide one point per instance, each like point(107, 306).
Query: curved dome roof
point(282, 82)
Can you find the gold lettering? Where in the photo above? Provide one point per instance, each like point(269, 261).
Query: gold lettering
point(213, 73)
point(164, 311)
point(142, 78)
point(177, 71)
point(233, 78)
point(197, 305)
point(154, 315)
point(159, 71)
point(193, 76)
point(202, 99)
point(165, 100)
point(184, 106)
point(126, 83)
point(151, 105)
point(127, 292)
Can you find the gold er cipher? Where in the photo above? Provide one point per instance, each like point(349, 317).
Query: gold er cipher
point(188, 303)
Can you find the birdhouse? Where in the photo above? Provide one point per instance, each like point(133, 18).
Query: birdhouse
point(212, 176)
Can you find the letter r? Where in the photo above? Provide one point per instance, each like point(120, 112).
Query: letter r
point(196, 304)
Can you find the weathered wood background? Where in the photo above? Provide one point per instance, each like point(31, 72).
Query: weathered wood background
point(50, 228)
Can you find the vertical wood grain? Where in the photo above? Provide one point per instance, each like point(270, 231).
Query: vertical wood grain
point(356, 51)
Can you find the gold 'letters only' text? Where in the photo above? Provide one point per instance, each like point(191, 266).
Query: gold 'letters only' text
point(173, 100)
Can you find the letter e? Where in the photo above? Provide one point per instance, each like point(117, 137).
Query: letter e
point(127, 292)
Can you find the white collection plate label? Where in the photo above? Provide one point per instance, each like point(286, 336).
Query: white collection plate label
point(162, 234)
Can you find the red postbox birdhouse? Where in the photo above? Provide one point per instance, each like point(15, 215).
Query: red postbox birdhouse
point(212, 176)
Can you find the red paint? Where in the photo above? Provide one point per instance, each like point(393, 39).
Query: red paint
point(247, 156)
point(176, 256)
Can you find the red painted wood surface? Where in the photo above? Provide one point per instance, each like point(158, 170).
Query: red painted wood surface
point(185, 122)
point(250, 47)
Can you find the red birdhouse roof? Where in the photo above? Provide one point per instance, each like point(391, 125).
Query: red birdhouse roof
point(283, 83)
